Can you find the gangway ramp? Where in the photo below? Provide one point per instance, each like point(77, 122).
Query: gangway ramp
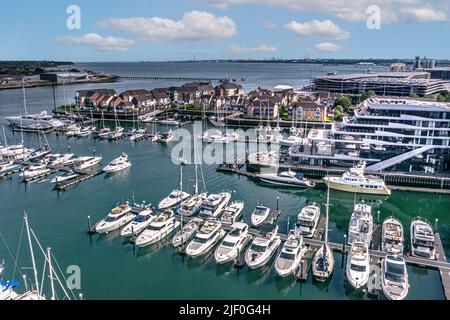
point(397, 159)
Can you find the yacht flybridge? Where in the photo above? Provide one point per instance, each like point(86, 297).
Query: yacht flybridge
point(392, 236)
point(354, 180)
point(358, 263)
point(307, 220)
point(186, 233)
point(206, 238)
point(117, 218)
point(263, 246)
point(87, 162)
point(214, 204)
point(361, 224)
point(232, 213)
point(259, 215)
point(394, 277)
point(162, 226)
point(232, 244)
point(174, 199)
point(287, 179)
point(141, 221)
point(423, 244)
point(290, 257)
point(118, 164)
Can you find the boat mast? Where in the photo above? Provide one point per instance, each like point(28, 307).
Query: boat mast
point(326, 216)
point(196, 180)
point(36, 280)
point(50, 272)
point(24, 98)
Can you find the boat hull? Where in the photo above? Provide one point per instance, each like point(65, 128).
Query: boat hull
point(355, 189)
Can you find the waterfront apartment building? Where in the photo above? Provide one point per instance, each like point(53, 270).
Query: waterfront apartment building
point(390, 134)
point(382, 83)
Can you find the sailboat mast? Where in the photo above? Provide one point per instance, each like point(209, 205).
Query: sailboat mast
point(36, 280)
point(50, 271)
point(24, 97)
point(196, 180)
point(327, 211)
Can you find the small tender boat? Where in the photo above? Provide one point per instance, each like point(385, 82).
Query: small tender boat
point(64, 177)
point(287, 179)
point(35, 172)
point(291, 255)
point(117, 217)
point(423, 244)
point(307, 220)
point(192, 205)
point(159, 228)
point(118, 164)
point(358, 263)
point(392, 236)
point(259, 215)
point(394, 277)
point(87, 162)
point(206, 238)
point(232, 212)
point(174, 199)
point(186, 233)
point(232, 244)
point(263, 246)
point(141, 221)
point(361, 224)
point(214, 204)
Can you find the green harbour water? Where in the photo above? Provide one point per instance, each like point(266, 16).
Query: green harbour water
point(111, 269)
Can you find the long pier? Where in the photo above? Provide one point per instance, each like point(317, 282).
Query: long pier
point(162, 78)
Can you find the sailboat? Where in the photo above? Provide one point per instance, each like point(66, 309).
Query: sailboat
point(104, 132)
point(137, 133)
point(323, 261)
point(193, 204)
point(118, 132)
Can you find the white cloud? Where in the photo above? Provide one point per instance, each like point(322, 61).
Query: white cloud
point(325, 29)
point(391, 11)
point(263, 47)
point(327, 47)
point(99, 42)
point(194, 26)
point(424, 14)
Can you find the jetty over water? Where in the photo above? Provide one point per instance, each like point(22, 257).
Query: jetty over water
point(163, 78)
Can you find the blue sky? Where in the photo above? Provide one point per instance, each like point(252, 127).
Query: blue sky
point(155, 30)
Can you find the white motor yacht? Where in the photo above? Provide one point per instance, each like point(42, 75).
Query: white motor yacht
point(263, 246)
point(214, 204)
point(166, 137)
point(117, 218)
point(392, 236)
point(423, 244)
point(139, 134)
point(232, 213)
point(57, 160)
point(118, 164)
point(162, 226)
point(186, 233)
point(358, 265)
point(141, 221)
point(394, 277)
point(192, 205)
point(206, 238)
point(233, 243)
point(64, 177)
point(287, 179)
point(170, 122)
point(354, 180)
point(307, 220)
point(291, 254)
point(173, 200)
point(116, 134)
point(361, 224)
point(87, 162)
point(35, 172)
point(259, 215)
point(85, 132)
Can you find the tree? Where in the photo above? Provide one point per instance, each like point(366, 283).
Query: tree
point(338, 113)
point(344, 102)
point(413, 95)
point(367, 94)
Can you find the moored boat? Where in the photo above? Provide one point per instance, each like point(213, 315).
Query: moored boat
point(291, 254)
point(259, 215)
point(361, 224)
point(117, 218)
point(307, 220)
point(423, 244)
point(161, 227)
point(392, 236)
point(232, 244)
point(394, 277)
point(358, 265)
point(263, 246)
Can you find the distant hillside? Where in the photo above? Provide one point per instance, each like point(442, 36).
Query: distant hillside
point(28, 68)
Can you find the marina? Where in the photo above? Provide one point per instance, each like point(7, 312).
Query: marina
point(66, 216)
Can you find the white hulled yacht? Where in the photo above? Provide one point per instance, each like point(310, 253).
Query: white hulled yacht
point(307, 220)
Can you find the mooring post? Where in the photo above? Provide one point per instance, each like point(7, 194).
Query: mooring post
point(132, 234)
point(378, 216)
point(343, 243)
point(89, 223)
point(436, 225)
point(287, 227)
point(93, 152)
point(68, 149)
point(278, 199)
